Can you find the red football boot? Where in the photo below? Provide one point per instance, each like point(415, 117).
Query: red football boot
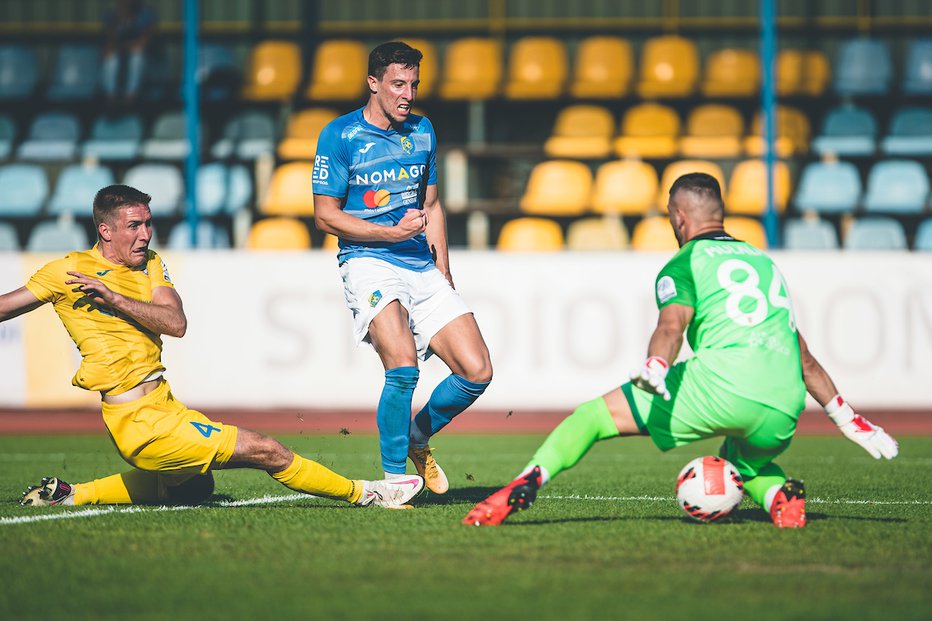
point(516, 496)
point(789, 505)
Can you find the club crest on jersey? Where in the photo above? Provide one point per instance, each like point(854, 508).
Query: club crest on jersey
point(407, 145)
point(375, 298)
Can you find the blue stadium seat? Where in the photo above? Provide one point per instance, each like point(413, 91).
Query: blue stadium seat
point(863, 67)
point(52, 136)
point(923, 239)
point(61, 235)
point(7, 136)
point(19, 72)
point(897, 186)
point(76, 74)
point(809, 234)
point(247, 136)
point(828, 188)
point(875, 233)
point(218, 74)
point(209, 236)
point(222, 188)
point(76, 187)
point(9, 242)
point(847, 131)
point(910, 132)
point(168, 140)
point(24, 188)
point(114, 138)
point(917, 79)
point(163, 182)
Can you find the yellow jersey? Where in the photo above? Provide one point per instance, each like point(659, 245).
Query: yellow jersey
point(117, 353)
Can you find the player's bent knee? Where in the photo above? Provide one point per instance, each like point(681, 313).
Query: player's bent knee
point(258, 451)
point(194, 491)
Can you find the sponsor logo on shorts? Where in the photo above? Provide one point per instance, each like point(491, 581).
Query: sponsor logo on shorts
point(375, 298)
point(666, 289)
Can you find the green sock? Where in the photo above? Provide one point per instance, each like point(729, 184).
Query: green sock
point(573, 438)
point(768, 476)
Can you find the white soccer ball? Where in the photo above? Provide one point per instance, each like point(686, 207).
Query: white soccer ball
point(709, 488)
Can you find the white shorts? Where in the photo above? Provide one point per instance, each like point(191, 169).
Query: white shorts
point(370, 284)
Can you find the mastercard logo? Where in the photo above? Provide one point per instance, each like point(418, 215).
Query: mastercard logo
point(376, 198)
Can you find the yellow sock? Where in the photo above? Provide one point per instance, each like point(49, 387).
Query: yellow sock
point(133, 487)
point(304, 475)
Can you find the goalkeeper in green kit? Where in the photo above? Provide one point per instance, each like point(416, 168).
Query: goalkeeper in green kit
point(747, 380)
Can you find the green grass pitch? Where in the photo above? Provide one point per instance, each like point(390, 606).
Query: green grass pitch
point(604, 541)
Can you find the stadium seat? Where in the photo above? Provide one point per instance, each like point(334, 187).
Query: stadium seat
point(472, 69)
point(746, 229)
point(429, 66)
point(713, 131)
point(597, 234)
point(246, 136)
point(626, 187)
point(339, 71)
point(917, 76)
point(653, 234)
point(847, 130)
point(19, 72)
point(76, 188)
point(581, 131)
point(9, 241)
point(60, 235)
point(791, 129)
point(114, 138)
point(828, 187)
point(537, 68)
point(76, 74)
point(278, 234)
point(163, 182)
point(732, 73)
point(289, 192)
point(603, 69)
point(7, 136)
point(863, 67)
point(273, 72)
point(218, 74)
point(910, 132)
point(209, 236)
point(809, 234)
point(897, 186)
point(802, 72)
point(300, 141)
point(557, 188)
point(676, 170)
point(52, 136)
point(222, 188)
point(169, 138)
point(648, 130)
point(23, 189)
point(923, 239)
point(875, 233)
point(669, 67)
point(530, 235)
point(747, 188)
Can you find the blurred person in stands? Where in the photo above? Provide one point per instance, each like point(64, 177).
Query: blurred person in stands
point(375, 188)
point(128, 29)
point(117, 300)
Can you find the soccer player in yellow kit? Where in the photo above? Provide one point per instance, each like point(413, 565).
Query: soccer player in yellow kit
point(116, 300)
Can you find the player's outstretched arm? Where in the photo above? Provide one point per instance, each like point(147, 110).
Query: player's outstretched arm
point(872, 438)
point(329, 217)
point(18, 302)
point(665, 344)
point(164, 315)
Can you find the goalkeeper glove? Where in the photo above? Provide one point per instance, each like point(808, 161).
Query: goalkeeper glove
point(872, 438)
point(652, 377)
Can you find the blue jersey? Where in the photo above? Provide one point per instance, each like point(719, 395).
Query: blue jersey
point(378, 174)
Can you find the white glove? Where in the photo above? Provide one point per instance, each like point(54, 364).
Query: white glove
point(859, 430)
point(652, 377)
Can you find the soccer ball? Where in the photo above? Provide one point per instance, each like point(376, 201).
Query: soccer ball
point(709, 488)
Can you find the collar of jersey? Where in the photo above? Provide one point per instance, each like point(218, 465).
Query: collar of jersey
point(720, 235)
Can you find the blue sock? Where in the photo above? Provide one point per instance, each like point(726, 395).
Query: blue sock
point(394, 417)
point(450, 397)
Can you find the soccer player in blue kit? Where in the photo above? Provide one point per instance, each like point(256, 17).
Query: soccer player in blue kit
point(375, 187)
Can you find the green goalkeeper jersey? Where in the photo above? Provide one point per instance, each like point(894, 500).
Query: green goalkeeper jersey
point(744, 329)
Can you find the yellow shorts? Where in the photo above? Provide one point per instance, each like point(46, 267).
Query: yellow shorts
point(156, 432)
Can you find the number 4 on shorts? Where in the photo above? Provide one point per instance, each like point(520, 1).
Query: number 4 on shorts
point(205, 430)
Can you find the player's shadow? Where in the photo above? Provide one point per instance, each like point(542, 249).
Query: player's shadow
point(458, 495)
point(763, 516)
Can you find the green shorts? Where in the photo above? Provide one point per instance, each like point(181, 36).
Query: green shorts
point(700, 407)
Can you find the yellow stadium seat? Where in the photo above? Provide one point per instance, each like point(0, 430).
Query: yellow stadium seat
point(581, 132)
point(648, 130)
point(472, 69)
point(273, 72)
point(653, 234)
point(747, 193)
point(791, 129)
point(603, 69)
point(788, 74)
point(278, 234)
point(802, 72)
point(289, 192)
point(558, 188)
point(746, 229)
point(339, 71)
point(530, 235)
point(732, 73)
point(816, 73)
point(300, 141)
point(683, 167)
point(536, 68)
point(713, 130)
point(429, 66)
point(669, 67)
point(626, 187)
point(607, 233)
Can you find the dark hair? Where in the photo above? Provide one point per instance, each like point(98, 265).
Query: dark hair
point(705, 186)
point(391, 53)
point(114, 197)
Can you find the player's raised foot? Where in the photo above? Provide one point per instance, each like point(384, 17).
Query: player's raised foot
point(516, 496)
point(391, 494)
point(51, 491)
point(427, 467)
point(789, 505)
